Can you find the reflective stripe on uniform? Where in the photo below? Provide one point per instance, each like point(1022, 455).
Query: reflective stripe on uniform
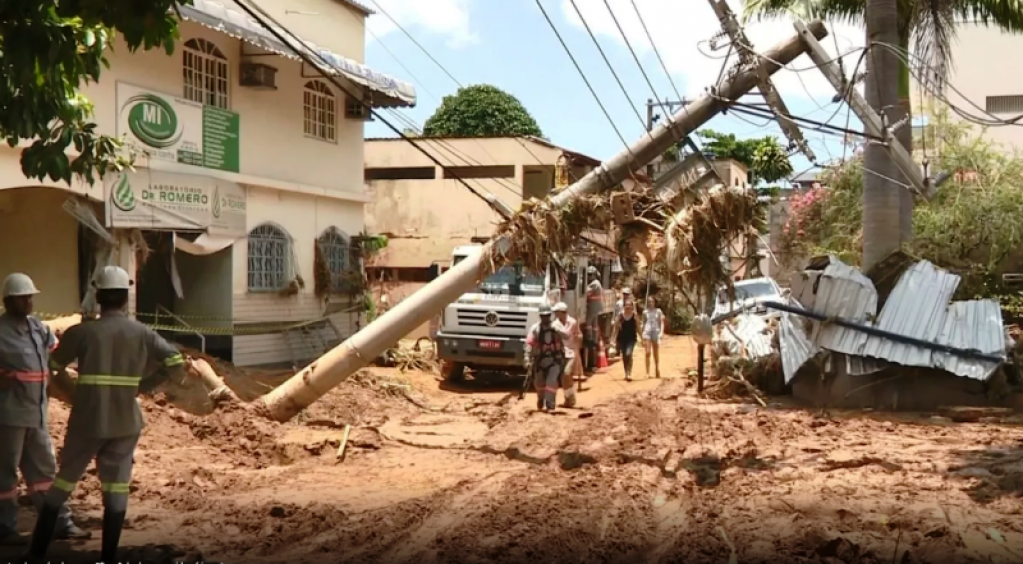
point(24, 376)
point(172, 361)
point(9, 494)
point(63, 485)
point(115, 487)
point(108, 380)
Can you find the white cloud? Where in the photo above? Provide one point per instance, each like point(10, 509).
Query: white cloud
point(680, 29)
point(447, 18)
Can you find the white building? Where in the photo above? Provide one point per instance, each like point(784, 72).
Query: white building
point(262, 166)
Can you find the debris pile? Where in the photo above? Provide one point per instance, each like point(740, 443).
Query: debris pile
point(745, 357)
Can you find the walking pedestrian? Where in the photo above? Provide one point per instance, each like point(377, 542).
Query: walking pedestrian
point(25, 345)
point(572, 335)
point(594, 309)
point(545, 357)
point(619, 305)
point(627, 330)
point(653, 330)
point(105, 421)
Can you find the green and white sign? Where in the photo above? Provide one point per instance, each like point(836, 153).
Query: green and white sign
point(177, 130)
point(166, 201)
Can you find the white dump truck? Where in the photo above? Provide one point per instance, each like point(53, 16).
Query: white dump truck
point(485, 330)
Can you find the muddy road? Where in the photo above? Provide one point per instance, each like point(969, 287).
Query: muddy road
point(642, 471)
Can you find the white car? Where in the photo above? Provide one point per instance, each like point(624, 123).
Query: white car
point(749, 296)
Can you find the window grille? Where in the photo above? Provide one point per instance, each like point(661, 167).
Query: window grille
point(270, 258)
point(320, 111)
point(335, 247)
point(205, 73)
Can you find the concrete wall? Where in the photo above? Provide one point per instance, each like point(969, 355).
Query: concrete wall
point(40, 239)
point(985, 66)
point(332, 24)
point(304, 218)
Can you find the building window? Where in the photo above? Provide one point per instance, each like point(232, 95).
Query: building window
point(335, 258)
point(320, 111)
point(269, 258)
point(205, 73)
point(1004, 104)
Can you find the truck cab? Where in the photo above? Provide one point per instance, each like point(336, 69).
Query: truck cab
point(485, 329)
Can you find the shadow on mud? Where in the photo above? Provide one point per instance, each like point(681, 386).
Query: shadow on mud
point(997, 471)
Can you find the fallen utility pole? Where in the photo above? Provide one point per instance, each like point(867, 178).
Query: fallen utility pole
point(874, 125)
point(315, 380)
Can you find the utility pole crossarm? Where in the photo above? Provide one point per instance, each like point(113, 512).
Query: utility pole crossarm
point(872, 123)
point(758, 63)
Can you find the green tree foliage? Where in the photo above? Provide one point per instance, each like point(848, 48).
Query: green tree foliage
point(480, 110)
point(971, 227)
point(764, 157)
point(48, 50)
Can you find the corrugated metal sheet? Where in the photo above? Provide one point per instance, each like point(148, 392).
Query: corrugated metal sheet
point(749, 332)
point(843, 291)
point(974, 325)
point(796, 346)
point(916, 308)
point(225, 17)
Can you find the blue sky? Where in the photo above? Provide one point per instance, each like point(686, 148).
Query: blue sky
point(508, 43)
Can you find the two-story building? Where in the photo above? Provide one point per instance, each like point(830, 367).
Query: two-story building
point(239, 217)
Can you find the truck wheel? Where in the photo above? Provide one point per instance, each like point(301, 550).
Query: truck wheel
point(454, 371)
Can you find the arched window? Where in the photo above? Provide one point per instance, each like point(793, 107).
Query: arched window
point(205, 73)
point(320, 107)
point(335, 250)
point(269, 258)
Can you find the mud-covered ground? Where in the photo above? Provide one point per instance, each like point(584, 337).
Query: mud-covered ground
point(642, 472)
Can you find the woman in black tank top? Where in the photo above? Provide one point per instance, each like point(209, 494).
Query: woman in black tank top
point(627, 334)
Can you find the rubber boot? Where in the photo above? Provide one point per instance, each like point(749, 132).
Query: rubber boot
point(113, 523)
point(42, 535)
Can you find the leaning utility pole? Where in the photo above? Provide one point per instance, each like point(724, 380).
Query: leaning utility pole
point(315, 380)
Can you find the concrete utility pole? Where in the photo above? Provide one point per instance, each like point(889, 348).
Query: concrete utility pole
point(651, 118)
point(315, 380)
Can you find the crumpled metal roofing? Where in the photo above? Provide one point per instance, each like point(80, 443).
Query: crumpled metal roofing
point(796, 346)
point(918, 307)
point(225, 17)
point(749, 332)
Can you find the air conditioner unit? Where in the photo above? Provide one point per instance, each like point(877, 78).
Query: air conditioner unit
point(357, 110)
point(258, 76)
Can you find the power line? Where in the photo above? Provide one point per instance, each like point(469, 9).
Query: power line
point(607, 62)
point(657, 52)
point(581, 73)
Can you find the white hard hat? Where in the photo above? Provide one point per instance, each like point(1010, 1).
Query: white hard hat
point(560, 306)
point(626, 290)
point(112, 278)
point(18, 284)
point(591, 269)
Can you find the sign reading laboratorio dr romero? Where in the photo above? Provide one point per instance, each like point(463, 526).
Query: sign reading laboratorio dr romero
point(173, 129)
point(163, 201)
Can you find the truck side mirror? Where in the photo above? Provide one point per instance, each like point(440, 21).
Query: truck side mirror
point(434, 271)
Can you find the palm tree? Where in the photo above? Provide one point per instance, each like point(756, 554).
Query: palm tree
point(929, 26)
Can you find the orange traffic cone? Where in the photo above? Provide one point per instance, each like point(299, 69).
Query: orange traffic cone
point(602, 363)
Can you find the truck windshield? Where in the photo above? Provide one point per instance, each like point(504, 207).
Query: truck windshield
point(749, 291)
point(510, 279)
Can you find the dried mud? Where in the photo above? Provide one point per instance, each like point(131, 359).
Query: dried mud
point(656, 475)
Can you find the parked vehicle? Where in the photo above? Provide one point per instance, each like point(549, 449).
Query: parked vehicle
point(485, 330)
point(750, 296)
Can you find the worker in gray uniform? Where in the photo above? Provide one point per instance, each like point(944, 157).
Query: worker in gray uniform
point(25, 345)
point(105, 421)
point(545, 354)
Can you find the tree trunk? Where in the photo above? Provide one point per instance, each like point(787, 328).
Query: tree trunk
point(881, 197)
point(905, 136)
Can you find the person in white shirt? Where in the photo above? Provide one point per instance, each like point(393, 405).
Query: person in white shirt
point(573, 337)
point(594, 308)
point(653, 330)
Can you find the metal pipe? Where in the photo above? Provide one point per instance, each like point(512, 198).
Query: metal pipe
point(315, 380)
point(874, 331)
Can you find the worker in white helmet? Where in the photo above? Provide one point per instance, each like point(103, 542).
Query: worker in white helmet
point(25, 345)
point(105, 421)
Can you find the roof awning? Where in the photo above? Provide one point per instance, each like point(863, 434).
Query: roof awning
point(225, 17)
